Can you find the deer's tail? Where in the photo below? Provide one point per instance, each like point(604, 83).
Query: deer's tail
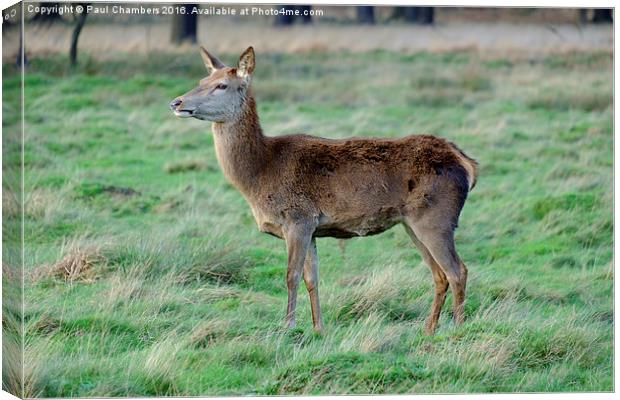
point(470, 165)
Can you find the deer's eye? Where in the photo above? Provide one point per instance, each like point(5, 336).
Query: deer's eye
point(221, 86)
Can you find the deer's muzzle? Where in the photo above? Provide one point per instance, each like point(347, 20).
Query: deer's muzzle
point(179, 111)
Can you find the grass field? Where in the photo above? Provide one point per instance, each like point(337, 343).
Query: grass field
point(146, 275)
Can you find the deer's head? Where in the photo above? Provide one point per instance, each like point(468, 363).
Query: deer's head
point(220, 96)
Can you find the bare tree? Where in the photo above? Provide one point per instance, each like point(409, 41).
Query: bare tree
point(305, 16)
point(416, 15)
point(20, 61)
point(599, 15)
point(603, 16)
point(80, 20)
point(48, 17)
point(291, 13)
point(366, 14)
point(184, 26)
point(287, 17)
point(12, 19)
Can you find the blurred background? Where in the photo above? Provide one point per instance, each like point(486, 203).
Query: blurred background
point(317, 28)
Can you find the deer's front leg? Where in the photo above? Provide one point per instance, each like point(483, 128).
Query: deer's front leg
point(298, 239)
point(311, 278)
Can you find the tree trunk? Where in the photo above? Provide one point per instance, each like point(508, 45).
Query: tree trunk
point(426, 15)
point(583, 16)
point(47, 18)
point(305, 18)
point(19, 60)
point(416, 15)
point(603, 16)
point(365, 14)
point(184, 26)
point(410, 14)
point(287, 18)
point(81, 20)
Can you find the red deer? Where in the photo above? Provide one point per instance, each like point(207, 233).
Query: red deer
point(303, 187)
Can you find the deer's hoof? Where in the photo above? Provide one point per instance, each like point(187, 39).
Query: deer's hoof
point(429, 329)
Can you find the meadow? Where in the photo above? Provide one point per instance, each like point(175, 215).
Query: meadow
point(145, 273)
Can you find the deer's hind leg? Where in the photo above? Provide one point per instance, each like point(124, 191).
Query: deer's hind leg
point(441, 282)
point(439, 241)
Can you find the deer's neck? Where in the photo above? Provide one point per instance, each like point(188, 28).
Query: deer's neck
point(240, 147)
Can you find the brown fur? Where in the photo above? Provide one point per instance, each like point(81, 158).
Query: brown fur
point(301, 187)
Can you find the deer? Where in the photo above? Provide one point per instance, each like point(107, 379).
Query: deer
point(301, 187)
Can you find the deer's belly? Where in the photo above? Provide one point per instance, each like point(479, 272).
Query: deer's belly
point(352, 225)
point(343, 225)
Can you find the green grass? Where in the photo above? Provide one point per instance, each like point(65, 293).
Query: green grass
point(146, 275)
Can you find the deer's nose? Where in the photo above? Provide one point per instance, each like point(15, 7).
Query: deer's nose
point(174, 104)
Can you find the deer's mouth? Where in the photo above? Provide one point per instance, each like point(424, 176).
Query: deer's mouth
point(184, 113)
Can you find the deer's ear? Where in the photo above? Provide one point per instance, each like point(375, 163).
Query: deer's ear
point(211, 62)
point(245, 66)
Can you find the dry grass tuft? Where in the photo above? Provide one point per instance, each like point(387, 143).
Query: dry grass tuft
point(11, 206)
point(79, 264)
point(39, 203)
point(43, 202)
point(10, 273)
point(44, 325)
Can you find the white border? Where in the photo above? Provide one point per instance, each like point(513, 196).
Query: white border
point(463, 3)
